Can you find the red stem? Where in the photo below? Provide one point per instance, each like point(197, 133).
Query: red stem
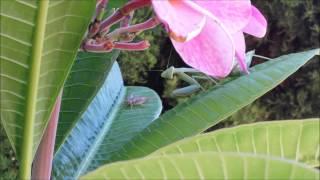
point(101, 5)
point(127, 20)
point(149, 24)
point(42, 164)
point(132, 46)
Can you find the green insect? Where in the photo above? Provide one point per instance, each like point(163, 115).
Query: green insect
point(195, 75)
point(183, 74)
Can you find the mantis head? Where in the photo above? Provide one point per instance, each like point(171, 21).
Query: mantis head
point(168, 73)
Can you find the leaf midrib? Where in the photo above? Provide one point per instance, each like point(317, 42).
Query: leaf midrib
point(32, 91)
point(105, 129)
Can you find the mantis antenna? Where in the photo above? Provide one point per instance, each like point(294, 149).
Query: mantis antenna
point(167, 66)
point(262, 57)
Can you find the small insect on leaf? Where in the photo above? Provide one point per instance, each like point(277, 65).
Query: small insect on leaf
point(133, 100)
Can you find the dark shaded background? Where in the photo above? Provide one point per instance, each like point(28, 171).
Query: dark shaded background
point(293, 25)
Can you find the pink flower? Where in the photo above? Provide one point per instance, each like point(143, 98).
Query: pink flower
point(208, 34)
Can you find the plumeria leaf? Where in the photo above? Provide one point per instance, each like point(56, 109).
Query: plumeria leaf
point(208, 108)
point(292, 139)
point(114, 116)
point(205, 165)
point(87, 75)
point(39, 41)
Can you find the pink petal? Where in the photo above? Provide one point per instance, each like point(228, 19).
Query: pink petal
point(240, 47)
point(211, 52)
point(257, 25)
point(234, 14)
point(183, 21)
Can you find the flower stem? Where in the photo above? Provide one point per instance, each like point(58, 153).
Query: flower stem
point(101, 5)
point(149, 24)
point(137, 46)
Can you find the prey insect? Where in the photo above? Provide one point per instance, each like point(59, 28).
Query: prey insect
point(133, 100)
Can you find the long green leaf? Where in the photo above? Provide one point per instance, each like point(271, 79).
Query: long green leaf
point(208, 108)
point(108, 123)
point(39, 40)
point(205, 165)
point(86, 78)
point(295, 139)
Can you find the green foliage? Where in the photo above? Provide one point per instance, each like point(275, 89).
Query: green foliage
point(256, 151)
point(39, 40)
point(292, 26)
point(210, 107)
point(86, 77)
point(291, 139)
point(109, 122)
point(205, 165)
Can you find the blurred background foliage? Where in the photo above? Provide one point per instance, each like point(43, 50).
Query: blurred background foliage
point(8, 162)
point(135, 65)
point(293, 25)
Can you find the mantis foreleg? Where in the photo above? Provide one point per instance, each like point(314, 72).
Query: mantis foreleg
point(186, 91)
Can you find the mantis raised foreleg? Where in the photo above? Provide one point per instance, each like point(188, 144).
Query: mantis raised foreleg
point(185, 91)
point(181, 73)
point(194, 85)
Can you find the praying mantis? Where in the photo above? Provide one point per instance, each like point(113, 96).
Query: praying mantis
point(191, 76)
point(183, 74)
